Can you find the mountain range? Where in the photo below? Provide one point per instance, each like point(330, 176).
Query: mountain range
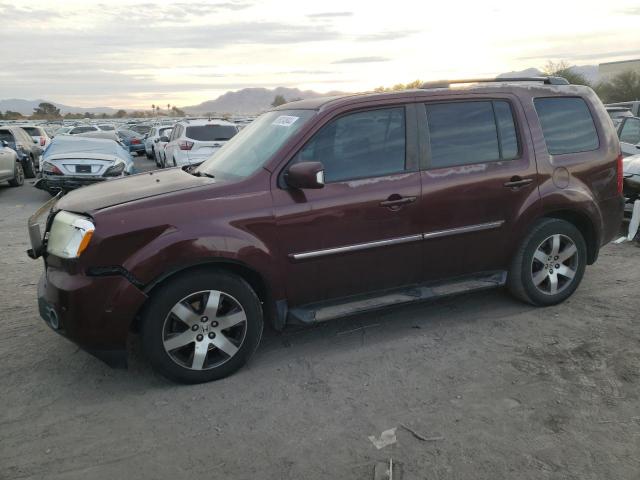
point(26, 107)
point(250, 100)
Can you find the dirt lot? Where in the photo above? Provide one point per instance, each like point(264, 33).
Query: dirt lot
point(501, 389)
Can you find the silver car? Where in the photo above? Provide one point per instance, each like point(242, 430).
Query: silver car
point(10, 167)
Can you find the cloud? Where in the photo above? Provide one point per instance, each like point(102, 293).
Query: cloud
point(362, 60)
point(607, 56)
point(631, 11)
point(330, 14)
point(385, 36)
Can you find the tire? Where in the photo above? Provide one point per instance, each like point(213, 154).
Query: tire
point(174, 162)
point(29, 168)
point(186, 340)
point(549, 264)
point(18, 176)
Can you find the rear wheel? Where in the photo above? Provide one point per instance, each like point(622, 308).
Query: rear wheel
point(18, 176)
point(202, 327)
point(29, 168)
point(549, 264)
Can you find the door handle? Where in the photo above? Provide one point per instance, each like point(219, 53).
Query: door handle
point(517, 182)
point(395, 201)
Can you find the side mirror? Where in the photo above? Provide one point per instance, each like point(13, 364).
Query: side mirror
point(305, 175)
point(5, 143)
point(164, 139)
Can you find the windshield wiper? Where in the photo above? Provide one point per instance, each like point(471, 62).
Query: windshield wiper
point(203, 174)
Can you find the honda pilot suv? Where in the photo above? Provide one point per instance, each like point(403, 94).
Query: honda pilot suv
point(329, 207)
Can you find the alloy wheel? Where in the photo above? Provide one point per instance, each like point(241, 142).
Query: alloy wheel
point(554, 264)
point(19, 174)
point(204, 330)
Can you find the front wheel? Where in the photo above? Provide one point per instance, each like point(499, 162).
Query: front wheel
point(549, 264)
point(203, 327)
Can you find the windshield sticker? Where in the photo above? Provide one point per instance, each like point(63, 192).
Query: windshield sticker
point(285, 120)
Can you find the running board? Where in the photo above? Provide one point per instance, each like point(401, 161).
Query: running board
point(323, 311)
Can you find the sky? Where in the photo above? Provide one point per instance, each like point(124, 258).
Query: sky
point(132, 54)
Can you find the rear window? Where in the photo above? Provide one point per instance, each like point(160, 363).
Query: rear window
point(83, 129)
point(208, 133)
point(567, 125)
point(141, 128)
point(33, 131)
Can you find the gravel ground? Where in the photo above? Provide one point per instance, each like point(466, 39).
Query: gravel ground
point(498, 388)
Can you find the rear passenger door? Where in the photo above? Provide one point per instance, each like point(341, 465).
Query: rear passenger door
point(479, 176)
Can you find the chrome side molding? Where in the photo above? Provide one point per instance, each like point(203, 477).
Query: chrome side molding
point(466, 229)
point(355, 247)
point(395, 241)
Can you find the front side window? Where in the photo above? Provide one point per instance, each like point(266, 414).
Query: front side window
point(567, 125)
point(630, 132)
point(359, 145)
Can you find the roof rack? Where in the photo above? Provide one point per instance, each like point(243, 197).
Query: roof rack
point(447, 83)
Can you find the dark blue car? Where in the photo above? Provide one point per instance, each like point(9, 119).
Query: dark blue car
point(134, 141)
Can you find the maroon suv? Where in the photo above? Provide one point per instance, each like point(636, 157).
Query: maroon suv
point(329, 207)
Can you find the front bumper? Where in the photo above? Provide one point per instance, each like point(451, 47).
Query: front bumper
point(93, 312)
point(66, 183)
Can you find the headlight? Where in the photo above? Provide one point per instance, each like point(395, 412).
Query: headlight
point(115, 170)
point(70, 235)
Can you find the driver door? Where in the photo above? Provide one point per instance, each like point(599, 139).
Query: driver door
point(361, 232)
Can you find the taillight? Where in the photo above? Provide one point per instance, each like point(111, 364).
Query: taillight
point(620, 173)
point(42, 141)
point(184, 145)
point(135, 141)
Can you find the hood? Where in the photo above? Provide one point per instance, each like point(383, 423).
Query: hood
point(128, 189)
point(631, 165)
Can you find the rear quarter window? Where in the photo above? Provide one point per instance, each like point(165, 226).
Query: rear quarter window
point(567, 125)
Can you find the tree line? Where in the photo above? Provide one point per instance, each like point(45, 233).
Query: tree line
point(48, 111)
point(623, 87)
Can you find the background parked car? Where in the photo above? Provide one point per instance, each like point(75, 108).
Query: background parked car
point(633, 106)
point(629, 133)
point(152, 139)
point(160, 148)
point(28, 152)
point(617, 114)
point(142, 129)
point(39, 134)
point(71, 162)
point(133, 140)
point(193, 141)
point(10, 167)
point(106, 127)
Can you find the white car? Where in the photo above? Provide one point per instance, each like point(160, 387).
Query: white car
point(39, 134)
point(159, 149)
point(629, 133)
point(193, 141)
point(152, 139)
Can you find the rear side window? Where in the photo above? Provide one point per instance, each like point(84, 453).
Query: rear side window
point(630, 132)
point(359, 145)
point(567, 125)
point(463, 133)
point(210, 133)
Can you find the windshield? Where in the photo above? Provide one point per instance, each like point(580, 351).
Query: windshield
point(208, 133)
point(254, 145)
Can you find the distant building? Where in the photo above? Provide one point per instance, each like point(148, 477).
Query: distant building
point(610, 69)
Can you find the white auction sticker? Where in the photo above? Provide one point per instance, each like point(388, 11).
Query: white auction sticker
point(285, 120)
